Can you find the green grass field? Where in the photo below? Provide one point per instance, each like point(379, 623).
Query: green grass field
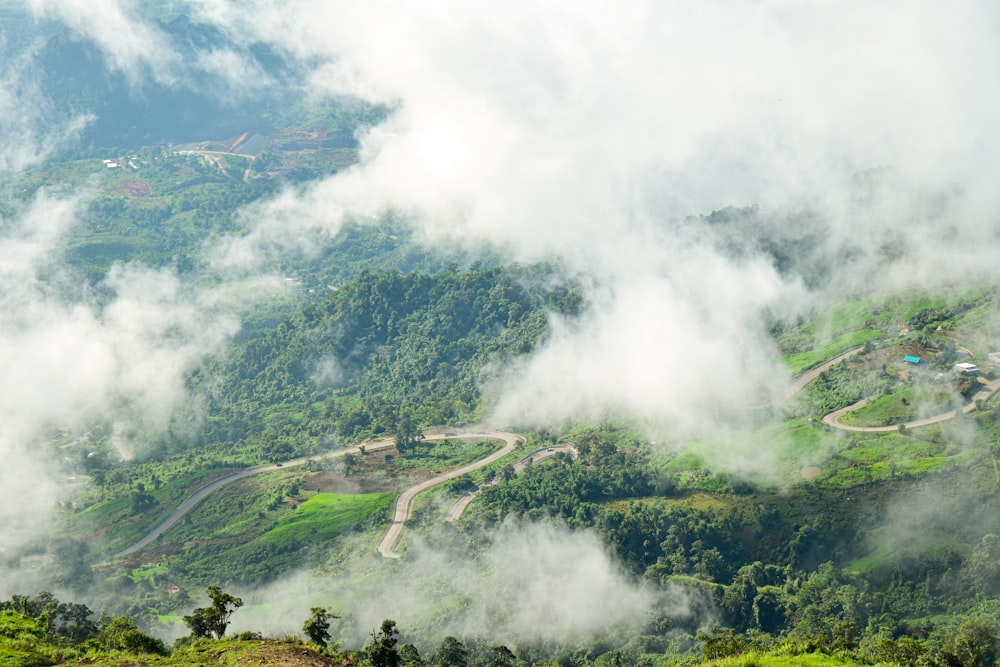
point(447, 453)
point(777, 659)
point(327, 515)
point(905, 405)
point(803, 361)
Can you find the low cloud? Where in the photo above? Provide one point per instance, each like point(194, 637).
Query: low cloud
point(29, 129)
point(591, 136)
point(74, 358)
point(531, 584)
point(131, 44)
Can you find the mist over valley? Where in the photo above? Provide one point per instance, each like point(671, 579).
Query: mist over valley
point(444, 334)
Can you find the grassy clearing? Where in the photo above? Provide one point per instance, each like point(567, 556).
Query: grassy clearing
point(800, 441)
point(803, 361)
point(159, 569)
point(905, 405)
point(327, 515)
point(446, 453)
point(778, 659)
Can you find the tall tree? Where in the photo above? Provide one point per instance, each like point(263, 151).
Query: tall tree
point(317, 626)
point(381, 651)
point(451, 653)
point(214, 619)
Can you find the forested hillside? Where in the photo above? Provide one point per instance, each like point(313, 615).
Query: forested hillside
point(498, 337)
point(383, 353)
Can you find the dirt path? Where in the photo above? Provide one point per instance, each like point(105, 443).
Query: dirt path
point(404, 504)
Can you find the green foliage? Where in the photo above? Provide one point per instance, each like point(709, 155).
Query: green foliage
point(386, 351)
point(975, 644)
point(205, 622)
point(120, 633)
point(327, 515)
point(451, 653)
point(317, 626)
point(381, 650)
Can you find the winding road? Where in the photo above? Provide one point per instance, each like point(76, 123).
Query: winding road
point(833, 419)
point(404, 504)
point(191, 501)
point(520, 465)
point(803, 380)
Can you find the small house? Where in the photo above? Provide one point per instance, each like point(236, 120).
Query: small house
point(912, 360)
point(967, 369)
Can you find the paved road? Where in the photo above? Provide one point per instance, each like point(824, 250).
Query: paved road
point(191, 501)
point(519, 466)
point(404, 504)
point(810, 375)
point(188, 504)
point(833, 419)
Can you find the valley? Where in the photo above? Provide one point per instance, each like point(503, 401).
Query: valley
point(508, 336)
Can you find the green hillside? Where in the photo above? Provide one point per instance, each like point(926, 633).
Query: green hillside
point(852, 520)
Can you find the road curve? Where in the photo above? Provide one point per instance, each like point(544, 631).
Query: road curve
point(404, 504)
point(520, 465)
point(833, 419)
point(810, 375)
point(191, 501)
point(188, 504)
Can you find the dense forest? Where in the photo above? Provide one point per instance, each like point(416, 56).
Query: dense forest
point(805, 535)
point(384, 353)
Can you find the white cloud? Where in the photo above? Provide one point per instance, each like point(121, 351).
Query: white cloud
point(28, 133)
point(132, 45)
point(531, 583)
point(71, 360)
point(587, 133)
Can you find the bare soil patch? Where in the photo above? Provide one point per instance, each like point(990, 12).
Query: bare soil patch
point(130, 188)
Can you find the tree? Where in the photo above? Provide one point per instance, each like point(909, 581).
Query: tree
point(502, 657)
point(409, 656)
point(214, 619)
point(407, 433)
point(973, 645)
point(141, 502)
point(721, 643)
point(451, 653)
point(381, 651)
point(507, 473)
point(120, 633)
point(317, 626)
